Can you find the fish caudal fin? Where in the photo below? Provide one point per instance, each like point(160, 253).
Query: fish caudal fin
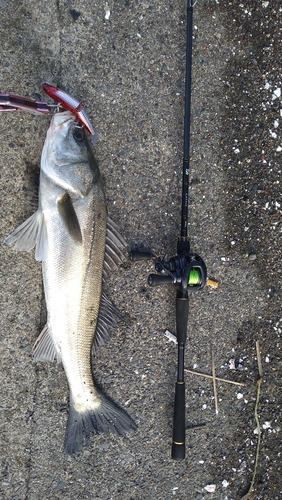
point(108, 417)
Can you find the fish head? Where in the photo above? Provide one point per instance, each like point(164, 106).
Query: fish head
point(67, 158)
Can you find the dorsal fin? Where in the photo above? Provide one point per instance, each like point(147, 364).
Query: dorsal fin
point(115, 248)
point(107, 320)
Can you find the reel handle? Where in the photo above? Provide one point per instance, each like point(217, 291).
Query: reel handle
point(136, 255)
point(159, 280)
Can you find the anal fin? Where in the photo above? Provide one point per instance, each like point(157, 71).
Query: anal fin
point(44, 348)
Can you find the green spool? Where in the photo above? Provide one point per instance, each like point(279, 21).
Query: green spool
point(194, 277)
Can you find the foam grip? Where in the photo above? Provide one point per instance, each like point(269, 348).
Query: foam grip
point(182, 308)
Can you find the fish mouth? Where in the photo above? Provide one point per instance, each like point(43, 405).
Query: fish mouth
point(62, 119)
point(60, 124)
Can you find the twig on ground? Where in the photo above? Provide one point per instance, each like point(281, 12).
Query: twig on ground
point(214, 382)
point(249, 495)
point(259, 359)
point(216, 378)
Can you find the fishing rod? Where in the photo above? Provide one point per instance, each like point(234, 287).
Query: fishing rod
point(186, 269)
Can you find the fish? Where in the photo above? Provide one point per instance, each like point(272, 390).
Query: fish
point(78, 245)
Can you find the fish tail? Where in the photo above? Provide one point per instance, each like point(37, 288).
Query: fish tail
point(108, 417)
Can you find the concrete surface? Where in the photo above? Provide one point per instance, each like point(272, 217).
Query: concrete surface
point(129, 71)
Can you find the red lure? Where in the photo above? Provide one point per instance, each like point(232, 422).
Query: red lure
point(70, 103)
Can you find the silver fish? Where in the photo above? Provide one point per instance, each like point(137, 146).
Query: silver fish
point(78, 246)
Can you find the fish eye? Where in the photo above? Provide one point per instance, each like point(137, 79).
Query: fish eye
point(79, 134)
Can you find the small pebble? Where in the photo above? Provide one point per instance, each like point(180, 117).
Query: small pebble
point(210, 488)
point(252, 256)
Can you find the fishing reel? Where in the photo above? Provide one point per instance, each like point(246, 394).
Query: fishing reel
point(187, 270)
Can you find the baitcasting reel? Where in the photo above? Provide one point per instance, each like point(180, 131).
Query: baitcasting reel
point(187, 270)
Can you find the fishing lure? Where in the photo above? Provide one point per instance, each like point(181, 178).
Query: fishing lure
point(11, 102)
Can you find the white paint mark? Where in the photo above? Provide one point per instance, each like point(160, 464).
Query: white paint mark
point(170, 336)
point(232, 364)
point(276, 93)
point(273, 134)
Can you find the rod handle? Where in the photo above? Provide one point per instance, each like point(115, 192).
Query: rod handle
point(182, 309)
point(178, 443)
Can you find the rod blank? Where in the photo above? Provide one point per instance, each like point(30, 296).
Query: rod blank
point(182, 304)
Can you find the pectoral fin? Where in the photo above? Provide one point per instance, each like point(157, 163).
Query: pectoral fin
point(68, 214)
point(30, 233)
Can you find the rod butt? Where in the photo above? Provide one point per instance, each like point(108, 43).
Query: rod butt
point(178, 451)
point(178, 440)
